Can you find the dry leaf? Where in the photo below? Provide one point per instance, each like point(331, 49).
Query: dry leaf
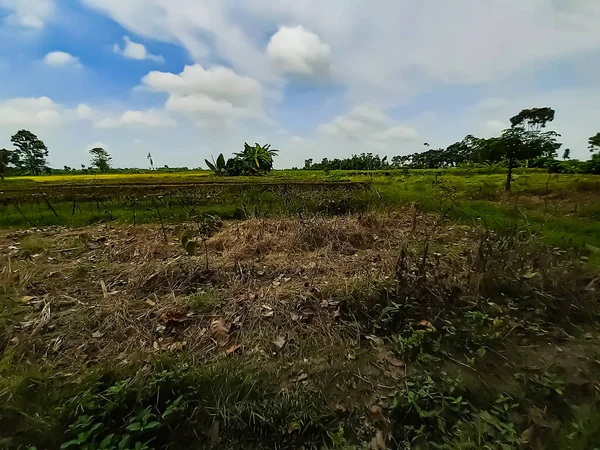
point(150, 303)
point(269, 313)
point(233, 348)
point(171, 316)
point(279, 342)
point(301, 377)
point(219, 331)
point(27, 298)
point(394, 361)
point(104, 290)
point(97, 334)
point(156, 345)
point(380, 441)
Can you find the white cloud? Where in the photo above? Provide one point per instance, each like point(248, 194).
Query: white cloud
point(30, 112)
point(83, 111)
point(495, 127)
point(138, 141)
point(208, 95)
point(134, 50)
point(97, 144)
point(492, 105)
point(397, 133)
point(386, 53)
point(296, 140)
point(138, 119)
point(29, 13)
point(364, 129)
point(298, 51)
point(61, 59)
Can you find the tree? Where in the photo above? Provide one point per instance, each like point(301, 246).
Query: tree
point(525, 139)
point(30, 155)
point(101, 159)
point(594, 142)
point(567, 153)
point(6, 158)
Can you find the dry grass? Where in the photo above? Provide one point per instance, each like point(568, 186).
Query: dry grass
point(123, 292)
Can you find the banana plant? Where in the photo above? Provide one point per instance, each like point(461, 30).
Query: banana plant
point(217, 167)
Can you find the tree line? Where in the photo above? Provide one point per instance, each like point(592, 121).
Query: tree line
point(29, 157)
point(525, 143)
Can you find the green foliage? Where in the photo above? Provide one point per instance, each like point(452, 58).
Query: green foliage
point(6, 158)
point(218, 167)
point(100, 159)
point(30, 154)
point(437, 410)
point(253, 160)
point(594, 143)
point(364, 161)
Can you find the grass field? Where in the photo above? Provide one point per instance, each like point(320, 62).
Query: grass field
point(339, 310)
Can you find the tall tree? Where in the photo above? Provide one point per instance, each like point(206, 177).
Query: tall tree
point(101, 159)
point(594, 142)
point(525, 139)
point(6, 158)
point(567, 153)
point(31, 152)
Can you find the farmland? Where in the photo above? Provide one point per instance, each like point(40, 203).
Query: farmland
point(300, 309)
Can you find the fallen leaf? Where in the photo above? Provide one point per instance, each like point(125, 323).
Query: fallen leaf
point(301, 377)
point(219, 331)
point(172, 316)
point(395, 361)
point(156, 345)
point(97, 334)
point(378, 442)
point(529, 275)
point(27, 298)
point(104, 290)
point(150, 303)
point(233, 348)
point(268, 313)
point(279, 342)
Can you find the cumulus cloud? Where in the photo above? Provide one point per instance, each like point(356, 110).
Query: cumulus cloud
point(134, 50)
point(207, 95)
point(83, 111)
point(298, 51)
point(29, 13)
point(137, 119)
point(495, 127)
point(61, 59)
point(491, 105)
point(40, 111)
point(365, 128)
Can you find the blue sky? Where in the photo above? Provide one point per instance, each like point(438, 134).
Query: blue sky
point(185, 79)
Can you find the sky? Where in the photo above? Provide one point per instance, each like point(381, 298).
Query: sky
point(187, 79)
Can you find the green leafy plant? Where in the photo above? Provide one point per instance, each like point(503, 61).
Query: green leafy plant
point(218, 166)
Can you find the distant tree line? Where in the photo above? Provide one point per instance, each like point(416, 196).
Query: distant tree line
point(525, 143)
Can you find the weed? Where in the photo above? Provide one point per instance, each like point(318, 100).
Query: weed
point(204, 300)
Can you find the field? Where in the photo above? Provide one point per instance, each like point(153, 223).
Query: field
point(340, 310)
